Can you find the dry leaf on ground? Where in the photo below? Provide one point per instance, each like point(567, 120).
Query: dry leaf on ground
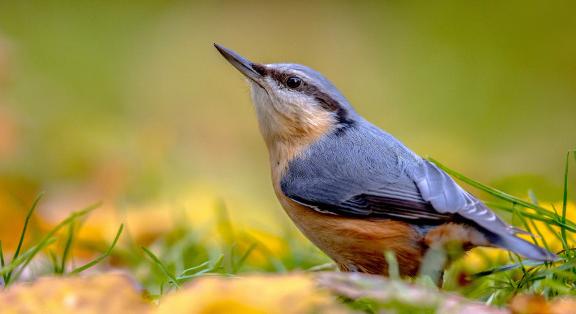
point(536, 304)
point(295, 293)
point(104, 293)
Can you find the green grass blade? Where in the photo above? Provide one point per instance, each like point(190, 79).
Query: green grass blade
point(213, 268)
point(26, 222)
point(224, 224)
point(564, 202)
point(101, 257)
point(534, 200)
point(47, 239)
point(229, 258)
point(532, 197)
point(54, 261)
point(393, 268)
point(555, 232)
point(25, 258)
point(218, 263)
point(540, 234)
point(67, 248)
point(323, 267)
point(244, 256)
point(274, 260)
point(518, 214)
point(491, 191)
point(31, 256)
point(433, 264)
point(504, 268)
point(1, 255)
point(23, 233)
point(2, 261)
point(555, 220)
point(195, 268)
point(162, 267)
point(71, 218)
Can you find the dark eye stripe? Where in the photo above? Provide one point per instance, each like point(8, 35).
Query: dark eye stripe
point(281, 77)
point(261, 69)
point(325, 100)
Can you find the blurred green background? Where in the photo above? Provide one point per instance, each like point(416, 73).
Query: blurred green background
point(128, 102)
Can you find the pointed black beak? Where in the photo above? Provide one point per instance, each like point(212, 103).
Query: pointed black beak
point(243, 65)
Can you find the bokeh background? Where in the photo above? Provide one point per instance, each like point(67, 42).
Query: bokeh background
point(128, 103)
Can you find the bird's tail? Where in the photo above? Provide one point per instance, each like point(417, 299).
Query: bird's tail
point(523, 247)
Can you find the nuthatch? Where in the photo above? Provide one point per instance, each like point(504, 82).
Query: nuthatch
point(354, 190)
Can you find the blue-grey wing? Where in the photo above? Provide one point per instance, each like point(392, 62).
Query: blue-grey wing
point(366, 172)
point(361, 173)
point(446, 196)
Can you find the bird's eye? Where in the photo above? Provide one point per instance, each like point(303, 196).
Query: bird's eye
point(293, 82)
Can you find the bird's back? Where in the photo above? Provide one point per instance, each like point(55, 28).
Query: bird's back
point(364, 157)
point(365, 172)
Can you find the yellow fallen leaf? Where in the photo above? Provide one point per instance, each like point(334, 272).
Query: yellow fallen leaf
point(295, 293)
point(564, 305)
point(553, 241)
point(104, 293)
point(537, 304)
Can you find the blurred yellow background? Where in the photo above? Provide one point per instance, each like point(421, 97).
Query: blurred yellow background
point(128, 103)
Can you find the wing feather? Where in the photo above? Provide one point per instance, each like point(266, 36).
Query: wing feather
point(446, 196)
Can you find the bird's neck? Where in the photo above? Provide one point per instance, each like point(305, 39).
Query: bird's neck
point(283, 150)
point(288, 138)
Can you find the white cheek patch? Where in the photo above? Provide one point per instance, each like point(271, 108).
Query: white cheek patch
point(300, 107)
point(278, 106)
point(268, 116)
point(262, 101)
point(259, 95)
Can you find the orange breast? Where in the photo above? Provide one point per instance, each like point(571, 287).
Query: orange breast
point(358, 244)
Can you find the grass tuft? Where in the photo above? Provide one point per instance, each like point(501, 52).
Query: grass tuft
point(171, 276)
point(11, 271)
point(100, 258)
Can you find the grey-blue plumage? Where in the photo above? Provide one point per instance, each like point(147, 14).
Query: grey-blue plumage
point(366, 172)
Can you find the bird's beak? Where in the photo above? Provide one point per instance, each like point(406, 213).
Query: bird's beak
point(242, 64)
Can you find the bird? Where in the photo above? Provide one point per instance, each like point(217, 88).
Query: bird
point(354, 190)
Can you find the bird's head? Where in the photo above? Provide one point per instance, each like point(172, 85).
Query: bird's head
point(293, 102)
